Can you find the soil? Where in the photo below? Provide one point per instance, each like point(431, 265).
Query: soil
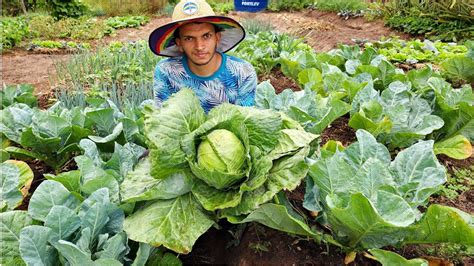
point(279, 81)
point(39, 169)
point(260, 245)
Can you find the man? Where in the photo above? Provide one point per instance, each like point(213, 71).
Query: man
point(196, 41)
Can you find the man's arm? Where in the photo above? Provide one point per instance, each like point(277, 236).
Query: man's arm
point(246, 92)
point(161, 86)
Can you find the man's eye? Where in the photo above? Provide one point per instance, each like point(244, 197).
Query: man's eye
point(207, 36)
point(188, 39)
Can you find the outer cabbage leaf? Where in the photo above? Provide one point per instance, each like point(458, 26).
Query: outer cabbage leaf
point(176, 223)
point(11, 224)
point(286, 174)
point(34, 246)
point(391, 258)
point(46, 196)
point(457, 147)
point(277, 217)
point(443, 224)
point(139, 185)
point(180, 114)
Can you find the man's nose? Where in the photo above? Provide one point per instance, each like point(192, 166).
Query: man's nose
point(199, 44)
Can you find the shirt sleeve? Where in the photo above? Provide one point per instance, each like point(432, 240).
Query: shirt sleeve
point(246, 94)
point(161, 87)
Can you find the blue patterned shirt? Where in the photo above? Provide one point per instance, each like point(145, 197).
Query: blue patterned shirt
point(234, 82)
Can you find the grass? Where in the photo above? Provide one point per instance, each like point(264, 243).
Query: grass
point(125, 7)
point(338, 5)
point(255, 25)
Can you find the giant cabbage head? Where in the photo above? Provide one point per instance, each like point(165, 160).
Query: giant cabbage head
point(222, 151)
point(202, 167)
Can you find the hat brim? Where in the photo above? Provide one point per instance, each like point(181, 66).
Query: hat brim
point(162, 42)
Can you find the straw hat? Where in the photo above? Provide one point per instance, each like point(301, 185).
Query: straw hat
point(162, 41)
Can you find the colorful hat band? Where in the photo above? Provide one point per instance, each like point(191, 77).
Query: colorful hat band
point(162, 41)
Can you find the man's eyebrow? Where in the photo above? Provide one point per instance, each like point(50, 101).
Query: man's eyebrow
point(191, 36)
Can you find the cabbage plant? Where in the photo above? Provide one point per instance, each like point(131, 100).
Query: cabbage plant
point(370, 201)
point(203, 167)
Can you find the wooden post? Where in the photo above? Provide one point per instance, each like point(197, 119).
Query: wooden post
point(23, 7)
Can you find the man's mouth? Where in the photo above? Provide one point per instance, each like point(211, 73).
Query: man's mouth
point(201, 55)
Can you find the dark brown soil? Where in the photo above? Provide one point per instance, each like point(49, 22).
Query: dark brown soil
point(455, 164)
point(260, 245)
point(339, 130)
point(39, 168)
point(279, 81)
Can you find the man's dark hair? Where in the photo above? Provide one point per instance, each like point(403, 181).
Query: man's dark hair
point(216, 29)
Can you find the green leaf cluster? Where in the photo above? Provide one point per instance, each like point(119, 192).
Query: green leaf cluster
point(127, 21)
point(87, 233)
point(184, 198)
point(14, 30)
point(370, 201)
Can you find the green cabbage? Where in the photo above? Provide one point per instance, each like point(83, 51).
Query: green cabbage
point(221, 150)
point(202, 167)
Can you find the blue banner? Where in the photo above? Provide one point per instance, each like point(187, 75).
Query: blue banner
point(250, 6)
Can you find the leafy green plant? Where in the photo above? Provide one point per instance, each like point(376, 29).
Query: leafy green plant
point(127, 21)
point(391, 258)
point(44, 135)
point(118, 63)
point(459, 68)
point(417, 24)
point(312, 111)
point(338, 5)
point(274, 150)
point(397, 117)
point(263, 50)
point(14, 30)
point(72, 231)
point(47, 44)
point(222, 7)
point(63, 8)
point(370, 201)
point(22, 93)
point(45, 27)
point(126, 7)
point(417, 51)
point(281, 5)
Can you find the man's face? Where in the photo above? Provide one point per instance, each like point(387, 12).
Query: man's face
point(198, 41)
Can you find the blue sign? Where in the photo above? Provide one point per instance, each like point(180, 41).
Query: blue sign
point(250, 6)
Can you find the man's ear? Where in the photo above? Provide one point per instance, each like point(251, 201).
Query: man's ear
point(218, 37)
point(178, 43)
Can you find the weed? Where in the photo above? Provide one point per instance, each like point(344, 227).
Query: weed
point(452, 252)
point(260, 247)
point(459, 181)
